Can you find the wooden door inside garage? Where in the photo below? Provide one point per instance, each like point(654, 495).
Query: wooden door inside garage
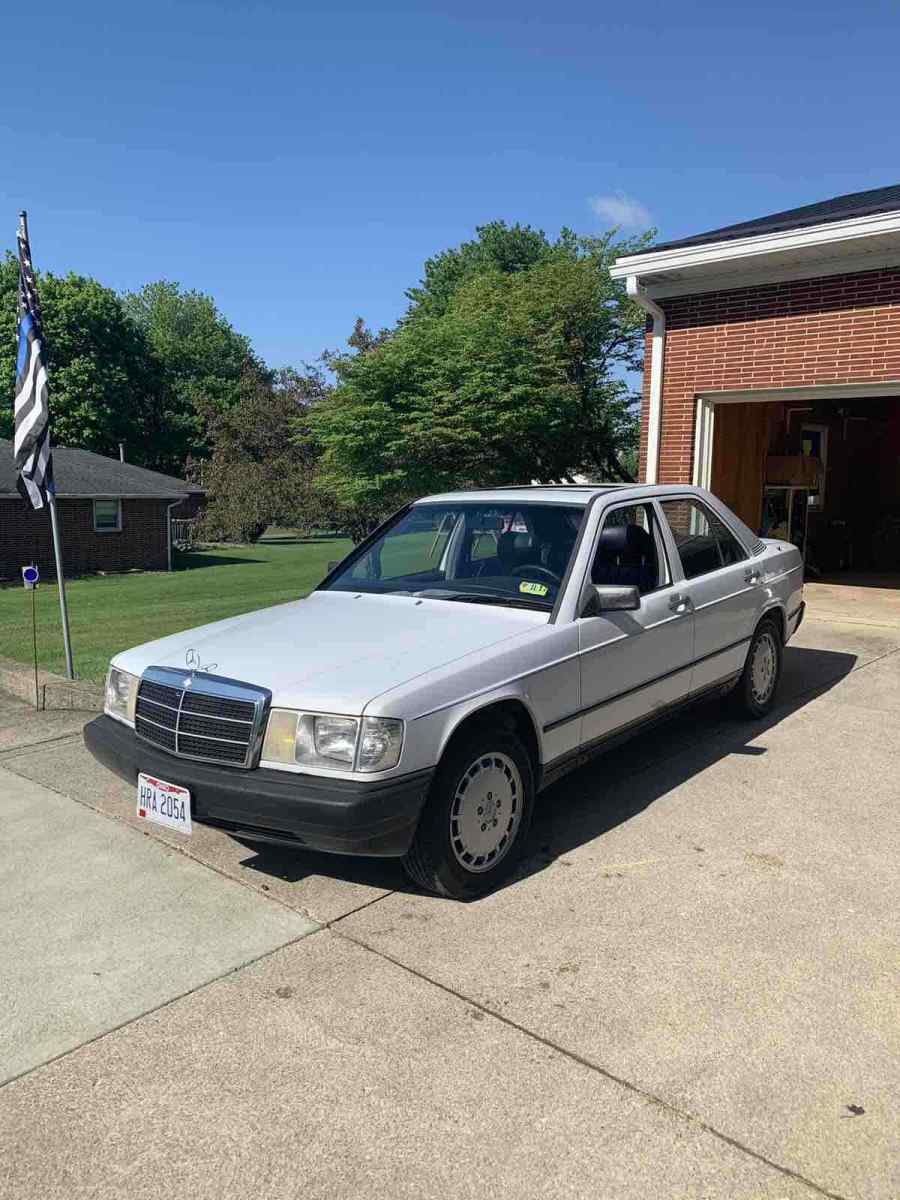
point(740, 446)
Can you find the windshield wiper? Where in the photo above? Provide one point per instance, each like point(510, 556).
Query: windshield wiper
point(484, 598)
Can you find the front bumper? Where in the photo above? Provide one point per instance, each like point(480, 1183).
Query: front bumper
point(340, 816)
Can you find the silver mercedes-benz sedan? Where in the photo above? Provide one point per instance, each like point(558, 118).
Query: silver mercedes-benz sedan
point(474, 649)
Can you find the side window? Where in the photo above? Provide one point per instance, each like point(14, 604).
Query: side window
point(628, 552)
point(729, 547)
point(704, 542)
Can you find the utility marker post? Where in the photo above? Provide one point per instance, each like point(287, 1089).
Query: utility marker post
point(30, 577)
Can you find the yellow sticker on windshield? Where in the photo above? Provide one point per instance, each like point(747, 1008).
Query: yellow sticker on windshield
point(533, 589)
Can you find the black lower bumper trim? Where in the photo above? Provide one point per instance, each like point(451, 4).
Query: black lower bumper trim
point(340, 816)
point(799, 612)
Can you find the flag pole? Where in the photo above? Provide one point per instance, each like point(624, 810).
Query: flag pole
point(63, 611)
point(28, 300)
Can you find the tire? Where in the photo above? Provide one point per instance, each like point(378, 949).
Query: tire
point(757, 687)
point(487, 774)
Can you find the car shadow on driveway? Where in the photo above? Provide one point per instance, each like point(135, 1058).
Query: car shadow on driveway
point(617, 786)
point(609, 791)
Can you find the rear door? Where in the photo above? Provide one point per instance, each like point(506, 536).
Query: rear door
point(633, 664)
point(721, 583)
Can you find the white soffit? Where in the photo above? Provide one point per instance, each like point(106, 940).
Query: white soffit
point(872, 390)
point(859, 244)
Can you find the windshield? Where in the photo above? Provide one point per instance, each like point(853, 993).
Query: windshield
point(513, 554)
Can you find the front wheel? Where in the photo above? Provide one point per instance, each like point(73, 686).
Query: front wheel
point(477, 816)
point(755, 692)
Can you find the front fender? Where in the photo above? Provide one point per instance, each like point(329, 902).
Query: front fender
point(470, 708)
point(539, 671)
point(428, 735)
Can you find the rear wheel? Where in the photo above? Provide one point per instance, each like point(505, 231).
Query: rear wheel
point(477, 816)
point(756, 689)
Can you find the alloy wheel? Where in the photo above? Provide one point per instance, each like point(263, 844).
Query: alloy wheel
point(763, 668)
point(486, 812)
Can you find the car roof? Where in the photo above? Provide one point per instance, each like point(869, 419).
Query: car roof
point(582, 493)
point(555, 493)
point(563, 493)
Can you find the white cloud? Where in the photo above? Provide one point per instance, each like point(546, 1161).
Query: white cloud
point(622, 210)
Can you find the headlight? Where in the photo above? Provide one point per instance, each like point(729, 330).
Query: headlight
point(327, 737)
point(380, 744)
point(327, 740)
point(121, 693)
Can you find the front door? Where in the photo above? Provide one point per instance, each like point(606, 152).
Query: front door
point(633, 664)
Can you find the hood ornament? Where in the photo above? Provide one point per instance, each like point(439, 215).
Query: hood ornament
point(192, 661)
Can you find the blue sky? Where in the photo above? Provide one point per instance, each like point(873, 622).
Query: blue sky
point(299, 160)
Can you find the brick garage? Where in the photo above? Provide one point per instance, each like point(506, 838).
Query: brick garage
point(779, 339)
point(119, 523)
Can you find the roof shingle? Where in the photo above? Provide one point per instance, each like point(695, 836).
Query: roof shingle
point(840, 208)
point(82, 473)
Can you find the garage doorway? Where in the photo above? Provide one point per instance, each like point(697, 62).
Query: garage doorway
point(820, 466)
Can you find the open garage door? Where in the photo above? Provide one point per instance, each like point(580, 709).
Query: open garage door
point(818, 467)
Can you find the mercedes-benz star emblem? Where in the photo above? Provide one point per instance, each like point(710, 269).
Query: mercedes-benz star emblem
point(192, 661)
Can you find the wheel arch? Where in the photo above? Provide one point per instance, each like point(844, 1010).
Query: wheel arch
point(775, 612)
point(510, 712)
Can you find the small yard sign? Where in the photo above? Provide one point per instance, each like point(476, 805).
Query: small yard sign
point(30, 576)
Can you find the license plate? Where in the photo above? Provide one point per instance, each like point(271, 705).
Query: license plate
point(165, 803)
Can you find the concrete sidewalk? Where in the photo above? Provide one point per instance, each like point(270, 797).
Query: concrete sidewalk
point(101, 926)
point(690, 990)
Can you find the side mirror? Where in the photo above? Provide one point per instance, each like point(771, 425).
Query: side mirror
point(597, 599)
point(334, 562)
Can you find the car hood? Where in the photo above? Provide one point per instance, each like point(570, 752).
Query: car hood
point(337, 651)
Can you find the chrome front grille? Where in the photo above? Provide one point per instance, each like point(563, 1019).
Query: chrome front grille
point(202, 716)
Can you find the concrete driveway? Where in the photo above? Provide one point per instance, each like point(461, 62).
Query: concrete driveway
point(690, 990)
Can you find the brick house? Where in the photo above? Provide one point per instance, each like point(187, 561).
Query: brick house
point(113, 516)
point(773, 369)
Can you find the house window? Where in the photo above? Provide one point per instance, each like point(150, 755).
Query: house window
point(107, 516)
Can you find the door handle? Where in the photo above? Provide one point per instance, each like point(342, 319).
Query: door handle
point(680, 603)
point(752, 577)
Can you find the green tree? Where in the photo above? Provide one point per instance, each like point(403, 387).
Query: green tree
point(105, 385)
point(206, 366)
point(507, 368)
point(499, 247)
point(259, 474)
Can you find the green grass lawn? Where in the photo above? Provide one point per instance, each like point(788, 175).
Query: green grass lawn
point(109, 614)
